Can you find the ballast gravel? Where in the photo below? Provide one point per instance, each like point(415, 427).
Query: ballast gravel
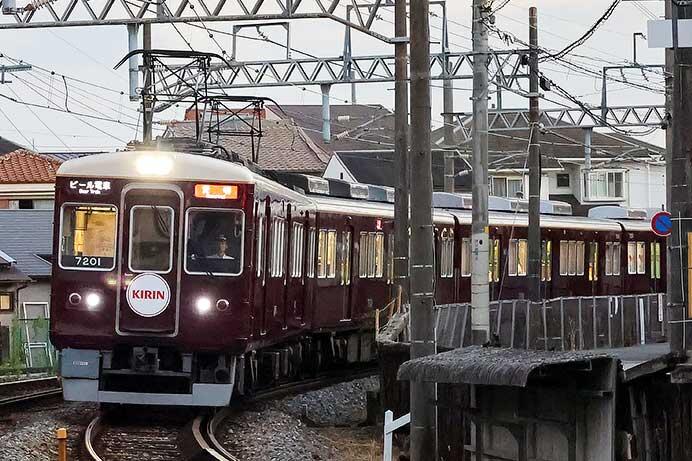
point(28, 434)
point(320, 425)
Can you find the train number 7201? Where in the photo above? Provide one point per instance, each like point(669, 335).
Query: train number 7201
point(88, 261)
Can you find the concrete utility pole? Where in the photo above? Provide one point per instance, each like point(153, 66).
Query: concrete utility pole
point(480, 296)
point(147, 102)
point(401, 205)
point(448, 117)
point(534, 271)
point(422, 262)
point(679, 174)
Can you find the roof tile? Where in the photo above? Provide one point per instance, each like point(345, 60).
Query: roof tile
point(22, 167)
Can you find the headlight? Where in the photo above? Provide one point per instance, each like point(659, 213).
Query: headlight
point(203, 305)
point(154, 165)
point(93, 300)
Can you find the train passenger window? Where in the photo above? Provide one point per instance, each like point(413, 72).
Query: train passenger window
point(447, 254)
point(278, 247)
point(612, 258)
point(151, 239)
point(311, 252)
point(214, 242)
point(593, 261)
point(517, 257)
point(641, 258)
point(379, 255)
point(546, 260)
point(465, 258)
point(260, 245)
point(297, 250)
point(571, 257)
point(494, 261)
point(580, 258)
point(346, 258)
point(631, 257)
point(363, 255)
point(326, 254)
point(87, 237)
point(390, 258)
point(655, 260)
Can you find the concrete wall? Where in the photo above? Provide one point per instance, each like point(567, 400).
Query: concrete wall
point(37, 292)
point(647, 186)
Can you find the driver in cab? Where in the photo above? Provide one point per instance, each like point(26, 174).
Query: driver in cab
point(221, 248)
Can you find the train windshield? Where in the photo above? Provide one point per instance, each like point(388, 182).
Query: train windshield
point(214, 241)
point(151, 244)
point(87, 238)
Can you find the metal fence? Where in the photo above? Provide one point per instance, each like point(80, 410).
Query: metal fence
point(29, 346)
point(561, 324)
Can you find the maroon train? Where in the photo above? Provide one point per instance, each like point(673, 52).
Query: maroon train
point(181, 278)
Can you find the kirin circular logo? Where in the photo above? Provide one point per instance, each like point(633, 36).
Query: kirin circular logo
point(148, 295)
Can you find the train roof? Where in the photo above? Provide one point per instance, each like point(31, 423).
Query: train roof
point(157, 165)
point(547, 221)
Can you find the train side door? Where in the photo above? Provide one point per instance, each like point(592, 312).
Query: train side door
point(149, 268)
point(276, 277)
point(260, 265)
point(346, 271)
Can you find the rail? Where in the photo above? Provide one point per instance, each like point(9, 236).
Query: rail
point(28, 390)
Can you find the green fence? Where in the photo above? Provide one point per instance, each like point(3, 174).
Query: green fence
point(30, 348)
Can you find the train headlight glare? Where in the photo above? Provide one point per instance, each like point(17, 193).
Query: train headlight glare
point(203, 305)
point(154, 165)
point(93, 300)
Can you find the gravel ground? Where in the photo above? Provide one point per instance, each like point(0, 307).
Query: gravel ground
point(29, 434)
point(318, 425)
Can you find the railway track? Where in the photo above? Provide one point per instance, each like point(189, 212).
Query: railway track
point(24, 391)
point(192, 439)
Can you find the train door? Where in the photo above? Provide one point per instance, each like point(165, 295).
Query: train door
point(345, 272)
point(295, 292)
point(275, 287)
point(593, 268)
point(149, 268)
point(260, 265)
point(657, 285)
point(546, 268)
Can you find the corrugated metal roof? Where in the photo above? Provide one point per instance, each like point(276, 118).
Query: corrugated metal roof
point(491, 365)
point(26, 233)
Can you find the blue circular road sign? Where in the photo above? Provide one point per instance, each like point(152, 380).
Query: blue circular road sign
point(662, 224)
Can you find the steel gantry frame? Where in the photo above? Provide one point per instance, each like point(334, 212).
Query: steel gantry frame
point(70, 13)
point(504, 67)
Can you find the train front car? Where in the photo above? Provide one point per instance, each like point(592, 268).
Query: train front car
point(150, 301)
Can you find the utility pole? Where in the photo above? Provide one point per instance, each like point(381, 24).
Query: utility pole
point(534, 272)
point(480, 295)
point(147, 102)
point(422, 263)
point(679, 191)
point(448, 117)
point(401, 197)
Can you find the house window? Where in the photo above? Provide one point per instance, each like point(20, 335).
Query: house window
point(546, 261)
point(605, 184)
point(612, 258)
point(655, 260)
point(494, 261)
point(507, 187)
point(562, 180)
point(518, 256)
point(6, 303)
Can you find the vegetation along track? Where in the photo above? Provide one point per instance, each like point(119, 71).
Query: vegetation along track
point(28, 390)
point(137, 433)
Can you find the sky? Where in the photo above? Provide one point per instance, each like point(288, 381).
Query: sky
point(87, 55)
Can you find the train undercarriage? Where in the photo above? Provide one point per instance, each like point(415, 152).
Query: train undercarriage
point(165, 376)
